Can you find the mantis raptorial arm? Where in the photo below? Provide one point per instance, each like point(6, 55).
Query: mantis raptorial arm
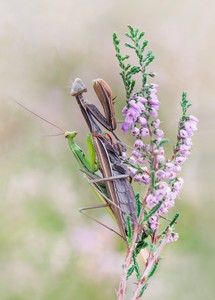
point(90, 164)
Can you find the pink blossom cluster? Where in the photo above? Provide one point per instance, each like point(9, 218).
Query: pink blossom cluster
point(137, 111)
point(141, 118)
point(186, 131)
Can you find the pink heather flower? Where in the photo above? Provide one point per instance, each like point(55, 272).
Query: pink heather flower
point(180, 160)
point(142, 100)
point(172, 196)
point(160, 174)
point(125, 127)
point(170, 166)
point(146, 178)
point(136, 153)
point(143, 178)
point(123, 155)
point(183, 134)
point(159, 132)
point(142, 121)
point(133, 113)
point(183, 148)
point(141, 160)
point(135, 131)
point(141, 106)
point(138, 106)
point(153, 112)
point(153, 93)
point(144, 131)
point(185, 153)
point(163, 186)
point(178, 184)
point(166, 206)
point(127, 123)
point(133, 104)
point(177, 168)
point(160, 157)
point(169, 203)
point(190, 127)
point(138, 178)
point(156, 123)
point(154, 103)
point(151, 200)
point(188, 142)
point(124, 110)
point(163, 209)
point(173, 237)
point(132, 160)
point(138, 144)
point(133, 96)
point(170, 175)
point(132, 171)
point(177, 194)
point(186, 147)
point(154, 224)
point(160, 194)
point(193, 119)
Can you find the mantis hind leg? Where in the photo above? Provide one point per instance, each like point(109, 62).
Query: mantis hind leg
point(82, 209)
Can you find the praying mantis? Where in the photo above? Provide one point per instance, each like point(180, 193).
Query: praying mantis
point(121, 198)
point(113, 188)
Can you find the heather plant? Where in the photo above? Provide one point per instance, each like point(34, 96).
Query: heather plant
point(148, 164)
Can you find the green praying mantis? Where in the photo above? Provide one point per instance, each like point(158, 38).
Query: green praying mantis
point(119, 195)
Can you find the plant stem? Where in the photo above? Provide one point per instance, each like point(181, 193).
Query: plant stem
point(128, 260)
point(149, 267)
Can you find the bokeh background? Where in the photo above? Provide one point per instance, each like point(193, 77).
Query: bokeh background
point(47, 249)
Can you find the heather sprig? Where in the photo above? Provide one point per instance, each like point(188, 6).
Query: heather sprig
point(128, 71)
point(148, 163)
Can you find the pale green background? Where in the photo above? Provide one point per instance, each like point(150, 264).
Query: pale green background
point(48, 251)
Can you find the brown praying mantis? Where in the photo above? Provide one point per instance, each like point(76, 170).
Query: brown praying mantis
point(113, 187)
point(119, 196)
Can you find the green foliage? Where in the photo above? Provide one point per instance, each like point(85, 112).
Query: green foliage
point(162, 142)
point(153, 269)
point(127, 70)
point(185, 104)
point(136, 267)
point(171, 224)
point(139, 204)
point(152, 179)
point(130, 271)
point(129, 229)
point(152, 212)
point(140, 245)
point(143, 289)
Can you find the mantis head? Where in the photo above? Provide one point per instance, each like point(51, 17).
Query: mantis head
point(70, 134)
point(78, 87)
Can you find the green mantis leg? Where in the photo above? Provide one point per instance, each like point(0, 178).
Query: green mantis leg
point(89, 164)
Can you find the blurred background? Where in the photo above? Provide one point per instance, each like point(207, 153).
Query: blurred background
point(48, 250)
